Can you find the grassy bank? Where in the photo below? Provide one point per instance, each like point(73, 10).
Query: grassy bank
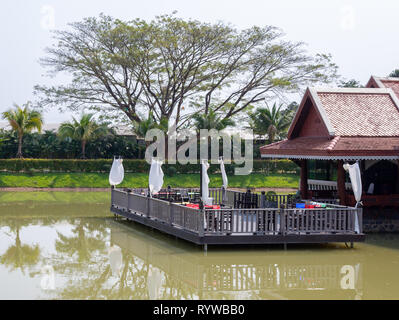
point(138, 180)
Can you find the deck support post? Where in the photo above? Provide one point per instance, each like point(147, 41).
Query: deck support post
point(304, 179)
point(148, 207)
point(205, 249)
point(263, 199)
point(341, 183)
point(201, 219)
point(352, 245)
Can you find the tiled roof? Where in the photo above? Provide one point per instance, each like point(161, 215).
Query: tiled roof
point(388, 82)
point(361, 114)
point(394, 85)
point(338, 147)
point(361, 123)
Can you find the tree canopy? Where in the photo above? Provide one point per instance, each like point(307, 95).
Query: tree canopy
point(23, 120)
point(394, 73)
point(85, 130)
point(352, 83)
point(175, 68)
point(273, 121)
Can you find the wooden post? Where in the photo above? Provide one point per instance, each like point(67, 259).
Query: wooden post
point(304, 179)
point(201, 204)
point(397, 181)
point(341, 183)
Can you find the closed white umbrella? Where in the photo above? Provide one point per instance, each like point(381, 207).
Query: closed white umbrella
point(224, 175)
point(224, 179)
point(117, 172)
point(155, 180)
point(205, 183)
point(356, 181)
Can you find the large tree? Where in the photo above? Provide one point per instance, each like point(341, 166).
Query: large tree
point(23, 120)
point(175, 67)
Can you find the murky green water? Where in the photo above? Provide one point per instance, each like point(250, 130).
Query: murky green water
point(68, 246)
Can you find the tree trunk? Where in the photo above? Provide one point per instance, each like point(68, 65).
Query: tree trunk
point(83, 149)
point(19, 153)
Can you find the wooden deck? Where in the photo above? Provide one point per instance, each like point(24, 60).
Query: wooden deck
point(242, 219)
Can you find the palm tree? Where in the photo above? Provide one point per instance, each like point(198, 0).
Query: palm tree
point(84, 130)
point(22, 120)
point(19, 255)
point(141, 128)
point(270, 121)
point(211, 120)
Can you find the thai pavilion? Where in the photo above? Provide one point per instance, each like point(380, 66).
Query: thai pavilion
point(334, 126)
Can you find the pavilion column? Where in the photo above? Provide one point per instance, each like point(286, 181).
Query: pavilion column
point(397, 182)
point(304, 179)
point(341, 183)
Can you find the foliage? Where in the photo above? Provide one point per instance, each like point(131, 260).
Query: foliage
point(394, 73)
point(175, 67)
point(272, 122)
point(350, 84)
point(211, 120)
point(141, 128)
point(140, 180)
point(22, 121)
point(131, 165)
point(48, 146)
point(84, 130)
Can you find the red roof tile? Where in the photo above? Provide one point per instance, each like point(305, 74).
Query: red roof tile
point(389, 82)
point(358, 114)
point(394, 85)
point(315, 147)
point(360, 122)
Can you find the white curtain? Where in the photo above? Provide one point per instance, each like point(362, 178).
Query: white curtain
point(205, 183)
point(117, 172)
point(155, 180)
point(356, 181)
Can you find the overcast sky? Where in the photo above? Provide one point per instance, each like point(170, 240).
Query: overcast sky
point(361, 35)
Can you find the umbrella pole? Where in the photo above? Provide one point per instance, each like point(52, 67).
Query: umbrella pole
point(201, 204)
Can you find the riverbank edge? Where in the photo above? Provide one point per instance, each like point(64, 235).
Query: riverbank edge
point(29, 189)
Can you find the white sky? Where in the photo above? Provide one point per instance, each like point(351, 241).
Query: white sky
point(361, 35)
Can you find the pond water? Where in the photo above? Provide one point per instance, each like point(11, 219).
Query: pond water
point(68, 246)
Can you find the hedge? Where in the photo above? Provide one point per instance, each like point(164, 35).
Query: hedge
point(131, 165)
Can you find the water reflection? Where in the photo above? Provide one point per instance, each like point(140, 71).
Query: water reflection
point(79, 253)
point(18, 255)
point(179, 271)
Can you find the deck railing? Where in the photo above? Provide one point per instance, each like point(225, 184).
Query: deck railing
point(326, 185)
point(235, 221)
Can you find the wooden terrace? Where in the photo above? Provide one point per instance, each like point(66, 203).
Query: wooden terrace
point(238, 217)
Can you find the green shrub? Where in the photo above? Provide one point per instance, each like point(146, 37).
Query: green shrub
point(133, 166)
point(171, 171)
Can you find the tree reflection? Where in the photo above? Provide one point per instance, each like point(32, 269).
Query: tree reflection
point(19, 255)
point(87, 237)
